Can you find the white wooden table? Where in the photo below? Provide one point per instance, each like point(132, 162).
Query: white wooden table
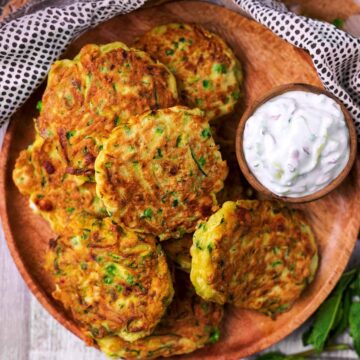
point(28, 332)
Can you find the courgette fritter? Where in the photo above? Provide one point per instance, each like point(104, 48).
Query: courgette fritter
point(159, 173)
point(189, 324)
point(208, 74)
point(100, 88)
point(113, 281)
point(64, 200)
point(254, 254)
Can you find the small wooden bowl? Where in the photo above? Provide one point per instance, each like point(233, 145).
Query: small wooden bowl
point(251, 178)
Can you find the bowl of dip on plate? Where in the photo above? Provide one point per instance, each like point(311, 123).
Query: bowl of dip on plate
point(297, 143)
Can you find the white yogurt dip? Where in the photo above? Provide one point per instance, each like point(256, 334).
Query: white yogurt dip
point(296, 143)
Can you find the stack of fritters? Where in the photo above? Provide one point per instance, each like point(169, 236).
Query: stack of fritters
point(120, 163)
point(102, 87)
point(159, 173)
point(115, 282)
point(189, 324)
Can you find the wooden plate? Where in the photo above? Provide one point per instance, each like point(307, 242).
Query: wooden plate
point(268, 61)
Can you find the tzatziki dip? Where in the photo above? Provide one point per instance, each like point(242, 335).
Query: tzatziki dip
point(296, 143)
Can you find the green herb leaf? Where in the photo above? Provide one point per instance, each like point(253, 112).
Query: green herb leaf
point(324, 321)
point(200, 163)
point(169, 52)
point(354, 323)
point(115, 256)
point(339, 23)
point(159, 154)
point(280, 356)
point(178, 141)
point(342, 323)
point(116, 120)
point(355, 285)
point(159, 130)
point(130, 279)
point(39, 105)
point(276, 250)
point(206, 84)
point(108, 279)
point(70, 134)
point(198, 102)
point(235, 95)
point(206, 133)
point(214, 336)
point(147, 214)
point(220, 68)
point(326, 316)
point(43, 181)
point(111, 269)
point(202, 226)
point(85, 234)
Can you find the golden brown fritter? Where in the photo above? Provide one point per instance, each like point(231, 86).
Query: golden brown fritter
point(160, 172)
point(114, 282)
point(62, 199)
point(39, 166)
point(189, 324)
point(178, 251)
point(254, 254)
point(102, 87)
point(208, 74)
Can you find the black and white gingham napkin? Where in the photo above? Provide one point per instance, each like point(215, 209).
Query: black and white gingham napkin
point(36, 35)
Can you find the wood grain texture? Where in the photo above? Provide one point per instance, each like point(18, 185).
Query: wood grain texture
point(335, 218)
